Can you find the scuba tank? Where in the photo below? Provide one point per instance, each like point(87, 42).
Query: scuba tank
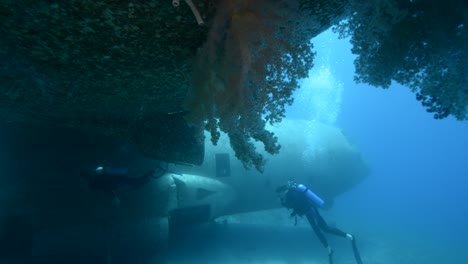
point(311, 196)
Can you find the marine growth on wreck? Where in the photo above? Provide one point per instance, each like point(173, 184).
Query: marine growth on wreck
point(115, 67)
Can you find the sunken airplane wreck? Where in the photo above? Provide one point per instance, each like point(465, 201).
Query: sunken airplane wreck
point(92, 83)
point(42, 206)
point(95, 83)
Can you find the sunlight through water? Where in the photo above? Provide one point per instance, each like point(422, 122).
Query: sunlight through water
point(319, 97)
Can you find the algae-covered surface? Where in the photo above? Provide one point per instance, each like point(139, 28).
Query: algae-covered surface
point(97, 59)
point(115, 67)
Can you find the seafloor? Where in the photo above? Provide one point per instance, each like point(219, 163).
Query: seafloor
point(270, 237)
point(238, 241)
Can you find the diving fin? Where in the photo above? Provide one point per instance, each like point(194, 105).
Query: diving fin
point(330, 255)
point(357, 256)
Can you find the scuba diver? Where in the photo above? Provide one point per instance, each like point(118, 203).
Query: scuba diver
point(109, 179)
point(304, 202)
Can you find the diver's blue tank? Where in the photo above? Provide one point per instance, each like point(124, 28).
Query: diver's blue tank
point(313, 198)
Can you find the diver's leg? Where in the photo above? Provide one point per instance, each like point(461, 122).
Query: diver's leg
point(136, 182)
point(328, 229)
point(311, 217)
point(357, 256)
point(148, 176)
point(313, 223)
point(127, 181)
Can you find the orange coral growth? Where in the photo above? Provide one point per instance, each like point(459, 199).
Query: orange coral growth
point(247, 71)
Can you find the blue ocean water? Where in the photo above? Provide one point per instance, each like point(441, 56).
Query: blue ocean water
point(412, 207)
point(416, 191)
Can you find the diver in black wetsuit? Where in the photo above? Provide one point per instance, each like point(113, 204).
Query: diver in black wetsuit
point(110, 179)
point(304, 202)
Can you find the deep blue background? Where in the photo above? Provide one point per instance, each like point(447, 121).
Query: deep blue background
point(419, 165)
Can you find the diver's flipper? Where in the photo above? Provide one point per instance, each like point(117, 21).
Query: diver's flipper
point(330, 255)
point(357, 256)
